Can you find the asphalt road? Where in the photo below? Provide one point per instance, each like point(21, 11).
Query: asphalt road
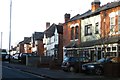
point(10, 73)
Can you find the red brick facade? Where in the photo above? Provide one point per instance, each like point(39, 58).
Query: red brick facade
point(105, 21)
point(67, 32)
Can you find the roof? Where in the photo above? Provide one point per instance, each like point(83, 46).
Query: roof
point(102, 8)
point(78, 16)
point(38, 35)
point(72, 44)
point(22, 42)
point(90, 13)
point(27, 40)
point(101, 41)
point(50, 31)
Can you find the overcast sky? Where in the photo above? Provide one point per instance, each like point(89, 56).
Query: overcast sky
point(29, 16)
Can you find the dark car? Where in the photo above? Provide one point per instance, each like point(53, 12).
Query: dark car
point(22, 57)
point(4, 55)
point(96, 67)
point(72, 63)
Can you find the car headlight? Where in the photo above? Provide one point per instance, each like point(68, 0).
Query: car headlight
point(91, 66)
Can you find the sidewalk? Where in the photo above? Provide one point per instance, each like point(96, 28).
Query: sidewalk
point(54, 74)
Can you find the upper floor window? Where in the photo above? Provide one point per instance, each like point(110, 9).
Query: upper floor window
point(76, 32)
point(96, 28)
point(119, 20)
point(112, 23)
point(88, 30)
point(55, 37)
point(72, 33)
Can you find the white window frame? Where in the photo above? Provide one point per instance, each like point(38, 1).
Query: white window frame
point(112, 24)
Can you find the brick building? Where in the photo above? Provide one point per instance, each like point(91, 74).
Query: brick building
point(71, 35)
point(37, 43)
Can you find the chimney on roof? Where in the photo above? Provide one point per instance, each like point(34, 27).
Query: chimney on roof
point(95, 5)
point(47, 25)
point(67, 17)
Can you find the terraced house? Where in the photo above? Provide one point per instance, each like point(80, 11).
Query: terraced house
point(98, 32)
point(71, 35)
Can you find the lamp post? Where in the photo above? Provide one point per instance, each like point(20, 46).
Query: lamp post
point(10, 28)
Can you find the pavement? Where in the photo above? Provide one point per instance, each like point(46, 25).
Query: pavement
point(56, 74)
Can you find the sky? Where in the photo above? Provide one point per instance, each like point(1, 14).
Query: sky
point(29, 16)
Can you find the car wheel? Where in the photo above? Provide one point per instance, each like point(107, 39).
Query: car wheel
point(71, 69)
point(98, 71)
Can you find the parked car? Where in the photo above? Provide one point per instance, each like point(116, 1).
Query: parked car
point(22, 57)
point(4, 55)
point(96, 67)
point(72, 63)
point(16, 56)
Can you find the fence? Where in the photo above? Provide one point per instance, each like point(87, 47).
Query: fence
point(38, 61)
point(112, 69)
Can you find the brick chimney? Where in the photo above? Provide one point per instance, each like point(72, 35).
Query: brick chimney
point(95, 5)
point(47, 25)
point(67, 17)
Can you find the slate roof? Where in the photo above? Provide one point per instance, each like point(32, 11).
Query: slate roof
point(22, 42)
point(90, 13)
point(27, 40)
point(72, 44)
point(50, 31)
point(38, 35)
point(109, 40)
point(102, 8)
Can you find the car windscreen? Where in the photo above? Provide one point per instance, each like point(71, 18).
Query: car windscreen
point(101, 60)
point(73, 59)
point(3, 52)
point(66, 59)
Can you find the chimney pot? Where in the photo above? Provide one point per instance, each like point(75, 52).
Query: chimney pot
point(67, 17)
point(95, 5)
point(47, 25)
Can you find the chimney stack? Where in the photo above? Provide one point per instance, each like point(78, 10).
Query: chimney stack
point(95, 5)
point(47, 25)
point(67, 17)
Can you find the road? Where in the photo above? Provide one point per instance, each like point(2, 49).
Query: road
point(10, 73)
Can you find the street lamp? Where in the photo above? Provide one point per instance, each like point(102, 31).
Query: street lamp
point(10, 28)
